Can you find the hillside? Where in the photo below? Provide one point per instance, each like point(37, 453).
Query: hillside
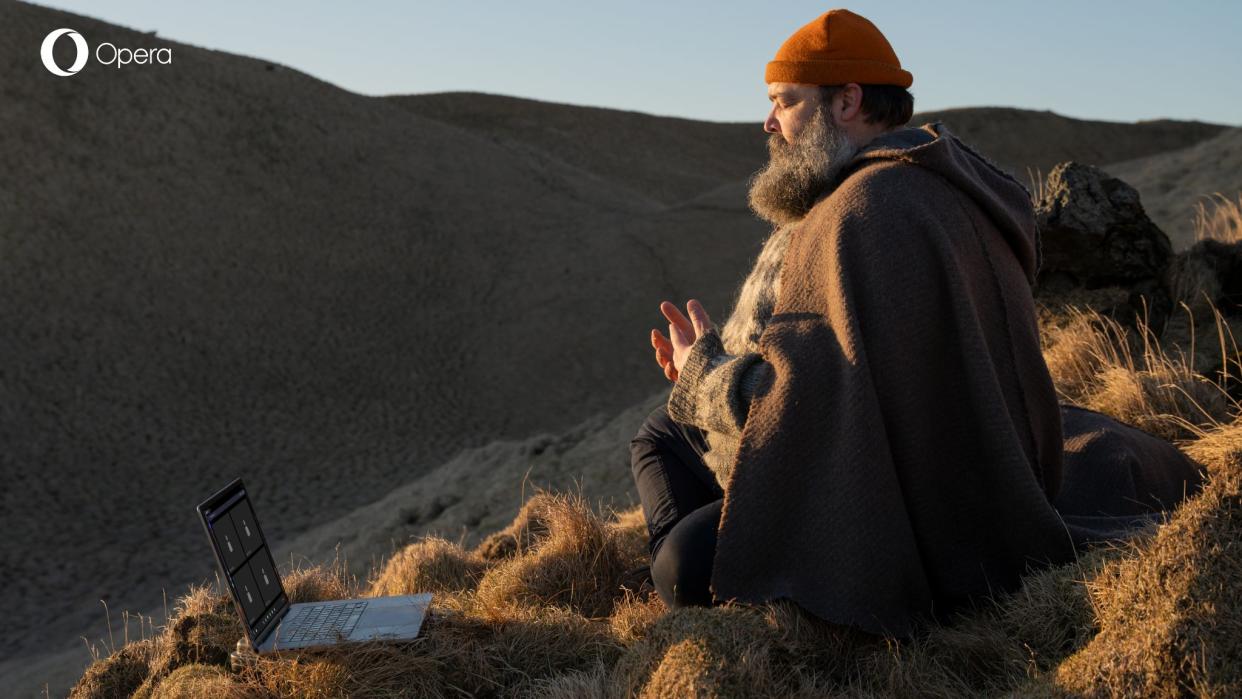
point(672, 160)
point(664, 158)
point(230, 268)
point(549, 606)
point(226, 267)
point(1019, 139)
point(1172, 183)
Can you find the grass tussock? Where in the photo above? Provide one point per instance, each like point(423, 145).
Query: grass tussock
point(118, 675)
point(1168, 614)
point(1195, 283)
point(464, 650)
point(548, 607)
point(580, 564)
point(1098, 363)
point(318, 583)
point(433, 564)
point(527, 529)
point(1222, 220)
point(202, 633)
point(197, 681)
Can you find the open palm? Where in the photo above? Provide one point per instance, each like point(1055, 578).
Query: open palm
point(671, 351)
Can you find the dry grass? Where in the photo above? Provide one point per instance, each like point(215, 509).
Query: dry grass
point(119, 675)
point(580, 564)
point(1222, 221)
point(1098, 363)
point(1194, 283)
point(1039, 183)
point(545, 609)
point(433, 564)
point(527, 529)
point(199, 682)
point(1169, 619)
point(318, 583)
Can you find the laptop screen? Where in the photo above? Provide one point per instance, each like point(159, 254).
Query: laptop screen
point(244, 557)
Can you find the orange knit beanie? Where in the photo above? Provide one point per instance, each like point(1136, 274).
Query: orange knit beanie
point(835, 48)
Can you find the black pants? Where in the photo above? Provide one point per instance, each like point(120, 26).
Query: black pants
point(681, 501)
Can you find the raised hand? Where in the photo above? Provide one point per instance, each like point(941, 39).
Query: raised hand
point(671, 354)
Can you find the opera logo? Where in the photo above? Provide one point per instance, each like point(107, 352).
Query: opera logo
point(49, 61)
point(107, 54)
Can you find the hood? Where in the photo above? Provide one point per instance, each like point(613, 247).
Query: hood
point(1005, 200)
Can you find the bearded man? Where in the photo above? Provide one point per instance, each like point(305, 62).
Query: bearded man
point(874, 433)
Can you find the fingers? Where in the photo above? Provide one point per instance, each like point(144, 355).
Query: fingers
point(676, 319)
point(682, 330)
point(690, 328)
point(660, 342)
point(698, 316)
point(663, 349)
point(662, 346)
point(679, 336)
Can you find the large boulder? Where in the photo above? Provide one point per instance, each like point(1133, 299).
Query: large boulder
point(1095, 234)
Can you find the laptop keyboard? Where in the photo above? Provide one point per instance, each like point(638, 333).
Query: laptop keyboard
point(322, 622)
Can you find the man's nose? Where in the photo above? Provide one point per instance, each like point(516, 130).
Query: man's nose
point(771, 125)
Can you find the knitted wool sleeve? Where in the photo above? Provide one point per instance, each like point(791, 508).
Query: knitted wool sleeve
point(714, 389)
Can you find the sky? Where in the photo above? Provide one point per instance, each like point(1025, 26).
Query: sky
point(1116, 60)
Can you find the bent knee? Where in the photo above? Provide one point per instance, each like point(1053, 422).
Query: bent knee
point(681, 565)
point(678, 580)
point(655, 428)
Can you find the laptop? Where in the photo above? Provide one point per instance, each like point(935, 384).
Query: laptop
point(272, 623)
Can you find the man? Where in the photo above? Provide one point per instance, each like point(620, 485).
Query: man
point(874, 433)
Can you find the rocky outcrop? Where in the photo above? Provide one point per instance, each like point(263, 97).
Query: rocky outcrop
point(1094, 234)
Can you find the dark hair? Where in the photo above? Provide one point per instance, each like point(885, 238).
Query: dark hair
point(891, 105)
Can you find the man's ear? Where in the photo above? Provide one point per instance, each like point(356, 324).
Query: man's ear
point(851, 101)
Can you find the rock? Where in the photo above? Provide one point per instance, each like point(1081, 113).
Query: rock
point(1211, 270)
point(1094, 233)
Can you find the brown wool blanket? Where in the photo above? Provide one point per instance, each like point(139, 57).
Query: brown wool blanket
point(1118, 481)
point(905, 453)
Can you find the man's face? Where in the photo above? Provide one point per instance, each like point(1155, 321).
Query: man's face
point(793, 105)
point(806, 154)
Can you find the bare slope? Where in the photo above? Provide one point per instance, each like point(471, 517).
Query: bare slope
point(1019, 138)
point(665, 158)
point(1172, 183)
point(672, 159)
point(224, 267)
point(550, 605)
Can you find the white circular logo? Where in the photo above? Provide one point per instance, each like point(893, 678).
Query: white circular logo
point(49, 61)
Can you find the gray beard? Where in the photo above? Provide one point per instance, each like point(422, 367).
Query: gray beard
point(798, 173)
